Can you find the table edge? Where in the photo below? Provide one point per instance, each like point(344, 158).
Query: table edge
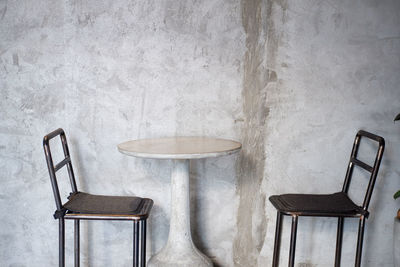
point(181, 156)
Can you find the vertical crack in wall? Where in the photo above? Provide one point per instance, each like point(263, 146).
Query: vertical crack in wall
point(259, 64)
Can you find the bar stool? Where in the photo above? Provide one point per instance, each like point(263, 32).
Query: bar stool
point(84, 206)
point(332, 205)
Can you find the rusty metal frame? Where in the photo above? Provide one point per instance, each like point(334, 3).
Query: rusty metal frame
point(61, 213)
point(362, 216)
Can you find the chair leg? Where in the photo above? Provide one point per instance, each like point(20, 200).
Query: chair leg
point(360, 241)
point(143, 243)
point(61, 242)
point(293, 241)
point(76, 243)
point(135, 244)
point(277, 243)
point(339, 239)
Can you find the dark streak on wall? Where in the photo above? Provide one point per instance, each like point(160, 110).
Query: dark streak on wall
point(262, 42)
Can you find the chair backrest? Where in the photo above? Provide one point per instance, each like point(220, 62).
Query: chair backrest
point(54, 168)
point(356, 162)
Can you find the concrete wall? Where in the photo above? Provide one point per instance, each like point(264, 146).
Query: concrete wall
point(328, 69)
point(293, 81)
point(107, 72)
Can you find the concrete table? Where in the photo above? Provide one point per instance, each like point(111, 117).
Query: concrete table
point(180, 250)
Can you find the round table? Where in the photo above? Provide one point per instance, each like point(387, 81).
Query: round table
point(180, 250)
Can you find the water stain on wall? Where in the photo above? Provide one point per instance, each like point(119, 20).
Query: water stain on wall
point(262, 42)
point(3, 9)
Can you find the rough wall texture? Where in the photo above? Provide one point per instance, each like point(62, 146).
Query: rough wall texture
point(251, 217)
point(262, 43)
point(337, 67)
point(110, 71)
point(293, 80)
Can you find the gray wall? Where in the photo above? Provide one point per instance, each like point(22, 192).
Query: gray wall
point(331, 68)
point(293, 81)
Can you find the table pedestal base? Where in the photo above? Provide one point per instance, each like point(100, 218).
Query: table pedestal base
point(171, 256)
point(180, 250)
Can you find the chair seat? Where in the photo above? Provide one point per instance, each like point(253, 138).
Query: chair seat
point(336, 204)
point(84, 203)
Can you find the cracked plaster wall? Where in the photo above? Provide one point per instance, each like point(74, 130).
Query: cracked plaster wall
point(293, 81)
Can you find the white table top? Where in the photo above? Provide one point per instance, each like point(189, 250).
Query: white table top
point(179, 147)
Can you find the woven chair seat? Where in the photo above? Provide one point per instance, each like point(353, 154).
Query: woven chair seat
point(336, 203)
point(98, 204)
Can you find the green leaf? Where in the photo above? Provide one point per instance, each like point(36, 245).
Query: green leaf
point(396, 195)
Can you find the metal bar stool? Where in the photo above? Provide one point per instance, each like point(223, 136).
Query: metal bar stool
point(332, 205)
point(84, 206)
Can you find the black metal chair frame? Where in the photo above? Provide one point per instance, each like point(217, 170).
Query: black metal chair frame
point(62, 213)
point(361, 215)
